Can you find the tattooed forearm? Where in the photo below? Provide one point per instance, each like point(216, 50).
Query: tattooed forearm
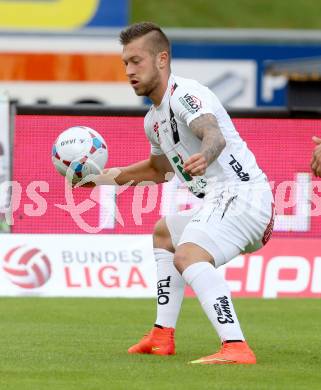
point(206, 128)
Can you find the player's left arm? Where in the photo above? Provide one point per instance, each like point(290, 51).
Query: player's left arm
point(206, 128)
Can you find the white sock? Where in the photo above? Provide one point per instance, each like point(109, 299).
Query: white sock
point(215, 298)
point(170, 289)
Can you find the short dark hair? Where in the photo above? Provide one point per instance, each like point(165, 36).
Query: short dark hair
point(160, 42)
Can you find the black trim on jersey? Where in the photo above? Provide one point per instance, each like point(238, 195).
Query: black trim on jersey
point(172, 119)
point(173, 126)
point(173, 88)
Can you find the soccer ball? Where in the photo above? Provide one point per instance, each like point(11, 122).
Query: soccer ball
point(79, 151)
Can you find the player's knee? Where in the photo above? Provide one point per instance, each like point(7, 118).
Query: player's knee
point(160, 232)
point(161, 236)
point(180, 260)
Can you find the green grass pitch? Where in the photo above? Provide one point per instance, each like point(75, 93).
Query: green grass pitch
point(77, 344)
point(299, 14)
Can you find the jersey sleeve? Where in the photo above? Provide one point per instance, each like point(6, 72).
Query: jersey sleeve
point(189, 103)
point(155, 148)
point(152, 138)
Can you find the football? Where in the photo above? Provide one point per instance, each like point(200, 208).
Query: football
point(79, 151)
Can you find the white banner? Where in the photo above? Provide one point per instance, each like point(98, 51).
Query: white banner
point(70, 265)
point(4, 157)
point(232, 81)
point(77, 265)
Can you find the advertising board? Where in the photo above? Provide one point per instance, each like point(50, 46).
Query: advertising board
point(49, 216)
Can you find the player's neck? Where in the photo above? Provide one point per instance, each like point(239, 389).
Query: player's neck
point(157, 95)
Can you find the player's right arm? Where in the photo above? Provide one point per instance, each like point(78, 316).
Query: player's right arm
point(156, 169)
point(316, 157)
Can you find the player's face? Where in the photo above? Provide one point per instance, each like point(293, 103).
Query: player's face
point(141, 67)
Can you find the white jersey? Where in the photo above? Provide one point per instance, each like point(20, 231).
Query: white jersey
point(167, 128)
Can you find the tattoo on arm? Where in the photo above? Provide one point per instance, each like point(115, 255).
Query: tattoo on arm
point(206, 128)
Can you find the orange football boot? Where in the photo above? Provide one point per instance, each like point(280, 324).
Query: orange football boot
point(230, 353)
point(159, 341)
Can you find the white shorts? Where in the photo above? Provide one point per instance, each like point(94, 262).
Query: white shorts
point(229, 222)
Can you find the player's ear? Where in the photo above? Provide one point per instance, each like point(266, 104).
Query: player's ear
point(163, 59)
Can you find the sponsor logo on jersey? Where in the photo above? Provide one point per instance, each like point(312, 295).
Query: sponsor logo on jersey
point(238, 169)
point(191, 103)
point(179, 162)
point(223, 311)
point(156, 129)
point(196, 185)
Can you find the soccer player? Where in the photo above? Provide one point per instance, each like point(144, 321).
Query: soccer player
point(316, 157)
point(192, 136)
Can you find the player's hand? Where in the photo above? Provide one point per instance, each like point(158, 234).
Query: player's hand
point(88, 181)
point(106, 177)
point(316, 157)
point(196, 165)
